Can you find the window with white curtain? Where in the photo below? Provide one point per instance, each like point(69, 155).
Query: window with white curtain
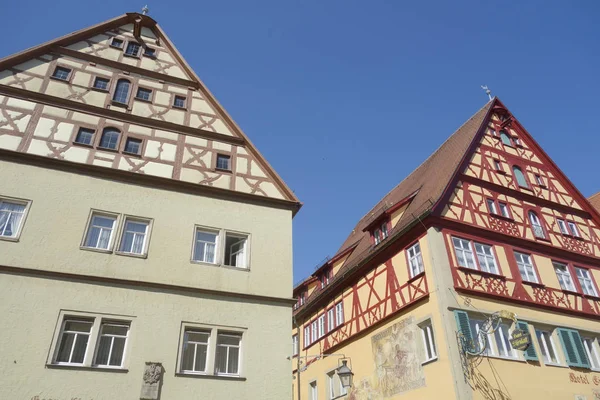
point(339, 314)
point(90, 340)
point(313, 393)
point(591, 350)
point(12, 215)
point(547, 347)
point(135, 236)
point(526, 268)
point(295, 347)
point(331, 319)
point(564, 276)
point(415, 259)
point(195, 350)
point(486, 258)
point(205, 246)
point(562, 226)
point(536, 225)
point(321, 326)
point(100, 231)
point(235, 250)
point(573, 228)
point(585, 279)
point(503, 346)
point(464, 253)
point(307, 336)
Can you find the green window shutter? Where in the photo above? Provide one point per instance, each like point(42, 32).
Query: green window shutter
point(462, 322)
point(530, 354)
point(578, 344)
point(568, 347)
point(573, 348)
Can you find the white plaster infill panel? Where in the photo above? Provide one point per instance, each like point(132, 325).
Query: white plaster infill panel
point(10, 142)
point(18, 103)
point(158, 169)
point(19, 119)
point(77, 154)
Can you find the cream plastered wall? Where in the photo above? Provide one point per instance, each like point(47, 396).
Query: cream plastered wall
point(30, 307)
point(498, 377)
point(439, 381)
point(61, 205)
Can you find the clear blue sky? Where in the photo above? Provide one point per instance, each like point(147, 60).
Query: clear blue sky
point(345, 98)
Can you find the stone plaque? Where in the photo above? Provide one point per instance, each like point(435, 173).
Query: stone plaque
point(152, 380)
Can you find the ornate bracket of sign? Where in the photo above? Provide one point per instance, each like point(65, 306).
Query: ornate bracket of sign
point(520, 340)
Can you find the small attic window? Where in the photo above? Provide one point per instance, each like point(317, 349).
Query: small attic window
point(117, 43)
point(179, 102)
point(133, 49)
point(61, 73)
point(149, 52)
point(326, 277)
point(380, 233)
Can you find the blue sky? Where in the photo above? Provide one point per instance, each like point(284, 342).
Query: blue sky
point(345, 98)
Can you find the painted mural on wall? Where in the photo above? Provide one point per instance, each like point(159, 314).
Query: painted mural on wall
point(397, 363)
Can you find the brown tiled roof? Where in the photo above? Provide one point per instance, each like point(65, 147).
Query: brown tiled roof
point(595, 201)
point(429, 181)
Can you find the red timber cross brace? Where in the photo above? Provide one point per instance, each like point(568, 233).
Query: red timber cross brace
point(370, 305)
point(513, 288)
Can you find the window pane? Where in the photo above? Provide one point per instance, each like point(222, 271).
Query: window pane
point(122, 91)
point(66, 344)
point(505, 139)
point(78, 326)
point(103, 350)
point(221, 360)
point(201, 355)
point(521, 181)
point(132, 49)
point(205, 247)
point(101, 83)
point(116, 357)
point(109, 139)
point(84, 136)
point(234, 354)
point(235, 251)
point(228, 339)
point(11, 215)
point(80, 347)
point(133, 146)
point(187, 362)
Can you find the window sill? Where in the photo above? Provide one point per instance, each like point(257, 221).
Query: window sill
point(131, 55)
point(179, 108)
point(107, 149)
point(555, 365)
point(223, 170)
point(134, 255)
point(506, 358)
point(543, 239)
point(247, 269)
point(502, 217)
point(429, 361)
point(542, 186)
point(132, 154)
point(534, 284)
point(87, 368)
point(90, 146)
point(99, 90)
point(60, 80)
point(116, 47)
point(96, 250)
point(152, 56)
point(119, 104)
point(143, 100)
point(572, 236)
point(527, 188)
point(501, 172)
point(591, 297)
point(209, 376)
point(483, 273)
point(571, 292)
point(9, 238)
point(417, 276)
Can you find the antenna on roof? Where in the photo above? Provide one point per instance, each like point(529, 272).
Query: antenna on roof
point(145, 10)
point(487, 91)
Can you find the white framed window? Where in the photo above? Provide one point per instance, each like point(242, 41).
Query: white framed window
point(307, 336)
point(339, 314)
point(492, 206)
point(321, 326)
point(313, 331)
point(498, 165)
point(538, 180)
point(295, 345)
point(573, 228)
point(235, 250)
point(504, 210)
point(564, 276)
point(313, 393)
point(464, 253)
point(536, 225)
point(90, 340)
point(112, 344)
point(526, 267)
point(210, 350)
point(220, 246)
point(228, 353)
point(503, 346)
point(380, 233)
point(486, 258)
point(428, 341)
point(415, 259)
point(586, 282)
point(12, 217)
point(134, 238)
point(100, 231)
point(547, 347)
point(195, 350)
point(562, 226)
point(205, 246)
point(591, 350)
point(331, 319)
point(335, 389)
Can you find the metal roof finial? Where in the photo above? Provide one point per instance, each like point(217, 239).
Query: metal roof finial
point(487, 91)
point(145, 10)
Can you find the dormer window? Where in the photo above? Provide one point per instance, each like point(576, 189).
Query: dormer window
point(325, 277)
point(380, 233)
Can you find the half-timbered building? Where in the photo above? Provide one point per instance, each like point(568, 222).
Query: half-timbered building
point(145, 243)
point(474, 278)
